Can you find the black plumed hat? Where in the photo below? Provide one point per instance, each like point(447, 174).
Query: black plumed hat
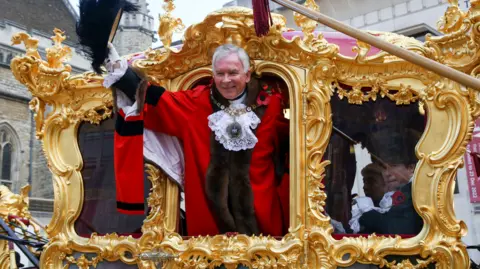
point(97, 25)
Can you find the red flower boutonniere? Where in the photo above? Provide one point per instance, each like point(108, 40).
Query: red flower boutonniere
point(398, 198)
point(264, 96)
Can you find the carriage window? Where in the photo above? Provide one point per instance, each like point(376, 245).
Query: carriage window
point(268, 210)
point(99, 213)
point(372, 154)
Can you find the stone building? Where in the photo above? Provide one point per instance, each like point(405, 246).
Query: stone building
point(408, 17)
point(21, 155)
point(135, 32)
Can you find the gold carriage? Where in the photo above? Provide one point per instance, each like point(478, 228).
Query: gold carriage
point(316, 69)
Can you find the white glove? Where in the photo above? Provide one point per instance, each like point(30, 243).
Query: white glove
point(364, 204)
point(115, 66)
point(113, 54)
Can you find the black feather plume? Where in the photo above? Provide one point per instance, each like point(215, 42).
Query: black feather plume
point(95, 24)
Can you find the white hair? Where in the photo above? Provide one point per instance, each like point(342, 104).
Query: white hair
point(228, 49)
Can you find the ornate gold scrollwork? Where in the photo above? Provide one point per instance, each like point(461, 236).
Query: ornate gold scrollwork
point(474, 99)
point(317, 118)
point(452, 20)
point(83, 262)
point(232, 25)
point(314, 70)
point(4, 255)
point(307, 25)
point(459, 47)
point(16, 206)
point(362, 50)
point(356, 95)
point(169, 24)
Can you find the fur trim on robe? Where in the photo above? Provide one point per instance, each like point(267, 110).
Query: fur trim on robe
point(227, 184)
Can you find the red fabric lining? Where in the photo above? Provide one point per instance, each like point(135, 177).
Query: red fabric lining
point(128, 166)
point(131, 212)
point(335, 236)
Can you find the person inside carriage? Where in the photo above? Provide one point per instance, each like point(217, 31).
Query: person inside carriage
point(395, 213)
point(229, 134)
point(378, 137)
point(224, 143)
point(374, 185)
point(388, 207)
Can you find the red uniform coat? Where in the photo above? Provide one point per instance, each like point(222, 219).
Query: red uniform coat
point(184, 115)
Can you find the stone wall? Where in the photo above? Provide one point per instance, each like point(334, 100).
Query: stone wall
point(42, 184)
point(135, 33)
point(401, 16)
point(15, 118)
point(10, 86)
point(15, 112)
point(129, 41)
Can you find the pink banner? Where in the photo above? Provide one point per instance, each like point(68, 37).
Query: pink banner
point(472, 160)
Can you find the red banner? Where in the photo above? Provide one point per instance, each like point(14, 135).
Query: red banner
point(472, 160)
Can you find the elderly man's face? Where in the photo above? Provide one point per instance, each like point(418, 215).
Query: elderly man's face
point(230, 78)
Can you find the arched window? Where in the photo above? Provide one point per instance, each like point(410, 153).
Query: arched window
point(7, 162)
point(9, 147)
point(9, 58)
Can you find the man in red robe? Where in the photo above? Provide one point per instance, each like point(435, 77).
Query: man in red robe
point(230, 131)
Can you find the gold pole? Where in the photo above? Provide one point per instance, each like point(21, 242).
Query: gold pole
point(13, 261)
point(406, 55)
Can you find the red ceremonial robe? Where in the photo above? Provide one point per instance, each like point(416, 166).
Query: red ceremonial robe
point(184, 115)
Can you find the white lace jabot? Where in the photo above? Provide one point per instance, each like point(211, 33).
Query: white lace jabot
point(222, 124)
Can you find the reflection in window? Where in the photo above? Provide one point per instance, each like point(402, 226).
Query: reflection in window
point(372, 154)
point(99, 213)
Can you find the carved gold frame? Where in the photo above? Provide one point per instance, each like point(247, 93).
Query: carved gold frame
point(312, 68)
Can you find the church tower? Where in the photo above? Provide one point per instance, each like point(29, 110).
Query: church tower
point(135, 32)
